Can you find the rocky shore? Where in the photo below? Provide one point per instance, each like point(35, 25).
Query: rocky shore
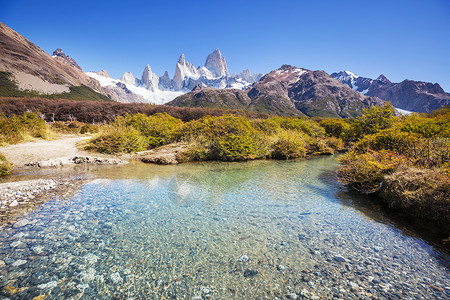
point(17, 198)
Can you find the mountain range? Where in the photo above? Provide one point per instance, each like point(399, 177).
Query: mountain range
point(287, 90)
point(27, 71)
point(162, 89)
point(417, 96)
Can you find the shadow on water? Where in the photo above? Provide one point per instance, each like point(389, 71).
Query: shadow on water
point(428, 235)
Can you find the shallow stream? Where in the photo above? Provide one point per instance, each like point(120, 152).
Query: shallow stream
point(255, 230)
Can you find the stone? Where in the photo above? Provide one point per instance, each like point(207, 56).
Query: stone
point(304, 293)
point(250, 273)
point(339, 258)
point(48, 285)
point(243, 258)
point(115, 277)
point(14, 203)
point(19, 262)
point(281, 267)
point(292, 296)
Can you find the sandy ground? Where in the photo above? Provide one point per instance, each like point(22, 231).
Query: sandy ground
point(42, 153)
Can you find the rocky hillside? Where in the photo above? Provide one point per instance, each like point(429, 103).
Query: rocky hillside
point(32, 69)
point(287, 90)
point(409, 95)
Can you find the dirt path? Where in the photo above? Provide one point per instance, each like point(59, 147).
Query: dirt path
point(42, 153)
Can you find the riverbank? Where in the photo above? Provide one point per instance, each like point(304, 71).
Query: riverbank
point(20, 197)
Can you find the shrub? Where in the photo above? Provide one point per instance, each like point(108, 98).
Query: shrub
point(420, 192)
point(159, 129)
point(6, 167)
point(391, 139)
point(365, 172)
point(227, 137)
point(299, 124)
point(426, 126)
point(334, 143)
point(287, 147)
point(16, 129)
point(118, 139)
point(335, 127)
point(88, 128)
point(374, 119)
point(317, 146)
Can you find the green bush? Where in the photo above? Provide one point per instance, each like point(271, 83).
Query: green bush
point(419, 192)
point(365, 172)
point(159, 129)
point(17, 129)
point(427, 126)
point(227, 137)
point(88, 128)
point(6, 167)
point(374, 119)
point(299, 124)
point(118, 139)
point(286, 148)
point(334, 143)
point(335, 127)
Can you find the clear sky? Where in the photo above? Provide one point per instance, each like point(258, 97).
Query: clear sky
point(398, 38)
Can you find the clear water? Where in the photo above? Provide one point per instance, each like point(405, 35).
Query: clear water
point(185, 232)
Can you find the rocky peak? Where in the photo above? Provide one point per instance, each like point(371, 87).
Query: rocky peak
point(182, 60)
point(149, 79)
point(216, 63)
point(164, 82)
point(383, 79)
point(103, 73)
point(128, 78)
point(61, 56)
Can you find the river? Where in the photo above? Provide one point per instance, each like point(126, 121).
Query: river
point(253, 230)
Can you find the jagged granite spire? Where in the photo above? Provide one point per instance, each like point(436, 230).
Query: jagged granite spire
point(149, 79)
point(216, 63)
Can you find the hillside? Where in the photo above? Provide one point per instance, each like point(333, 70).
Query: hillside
point(28, 71)
point(286, 91)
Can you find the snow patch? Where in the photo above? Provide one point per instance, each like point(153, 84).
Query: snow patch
point(403, 111)
point(157, 97)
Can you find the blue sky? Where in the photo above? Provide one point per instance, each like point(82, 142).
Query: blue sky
point(401, 39)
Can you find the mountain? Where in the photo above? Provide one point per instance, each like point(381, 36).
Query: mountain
point(409, 95)
point(287, 90)
point(162, 89)
point(28, 70)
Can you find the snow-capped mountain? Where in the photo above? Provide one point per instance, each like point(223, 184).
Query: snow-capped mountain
point(162, 89)
point(409, 95)
point(359, 84)
point(286, 91)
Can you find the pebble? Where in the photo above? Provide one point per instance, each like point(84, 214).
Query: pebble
point(292, 296)
point(19, 262)
point(243, 258)
point(115, 277)
point(281, 267)
point(48, 285)
point(14, 203)
point(250, 273)
point(339, 258)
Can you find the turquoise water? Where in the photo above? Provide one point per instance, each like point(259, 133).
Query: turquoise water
point(264, 229)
